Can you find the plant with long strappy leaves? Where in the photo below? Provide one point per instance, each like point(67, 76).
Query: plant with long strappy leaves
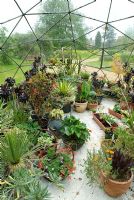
point(13, 146)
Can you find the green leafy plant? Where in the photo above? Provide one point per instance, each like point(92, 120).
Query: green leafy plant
point(92, 98)
point(32, 130)
point(85, 75)
point(124, 141)
point(56, 114)
point(57, 165)
point(117, 108)
point(129, 121)
point(83, 92)
point(74, 130)
point(45, 140)
point(13, 147)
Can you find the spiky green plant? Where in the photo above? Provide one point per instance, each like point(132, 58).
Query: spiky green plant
point(36, 192)
point(65, 89)
point(13, 147)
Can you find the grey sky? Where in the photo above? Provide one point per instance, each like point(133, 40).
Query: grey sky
point(98, 10)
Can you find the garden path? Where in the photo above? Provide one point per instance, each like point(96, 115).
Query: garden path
point(77, 188)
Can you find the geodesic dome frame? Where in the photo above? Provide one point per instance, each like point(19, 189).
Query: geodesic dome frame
point(102, 50)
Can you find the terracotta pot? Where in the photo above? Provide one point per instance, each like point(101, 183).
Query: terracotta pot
point(115, 188)
point(80, 107)
point(125, 106)
point(115, 114)
point(91, 106)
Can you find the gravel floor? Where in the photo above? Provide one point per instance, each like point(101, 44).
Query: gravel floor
point(77, 188)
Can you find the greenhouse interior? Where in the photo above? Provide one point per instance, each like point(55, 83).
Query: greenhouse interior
point(67, 100)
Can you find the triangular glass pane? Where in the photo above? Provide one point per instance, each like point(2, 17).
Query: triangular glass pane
point(11, 10)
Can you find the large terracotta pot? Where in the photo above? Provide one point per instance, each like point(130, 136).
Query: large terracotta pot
point(91, 106)
point(80, 107)
point(115, 188)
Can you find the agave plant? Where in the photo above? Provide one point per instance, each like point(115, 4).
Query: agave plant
point(36, 192)
point(65, 88)
point(13, 147)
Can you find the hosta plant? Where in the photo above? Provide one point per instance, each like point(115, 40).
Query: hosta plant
point(74, 131)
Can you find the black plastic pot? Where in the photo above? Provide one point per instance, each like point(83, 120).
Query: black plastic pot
point(67, 108)
point(99, 99)
point(55, 127)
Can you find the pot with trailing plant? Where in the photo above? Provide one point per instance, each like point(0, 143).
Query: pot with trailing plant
point(111, 169)
point(56, 164)
point(55, 121)
point(82, 95)
point(63, 95)
point(74, 132)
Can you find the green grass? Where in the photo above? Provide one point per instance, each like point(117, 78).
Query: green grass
point(10, 70)
point(82, 54)
point(96, 64)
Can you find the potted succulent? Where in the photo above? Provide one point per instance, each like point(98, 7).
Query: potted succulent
point(55, 122)
point(82, 97)
point(111, 169)
point(63, 95)
point(74, 132)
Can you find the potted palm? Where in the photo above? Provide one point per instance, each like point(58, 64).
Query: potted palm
point(82, 97)
point(112, 170)
point(74, 132)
